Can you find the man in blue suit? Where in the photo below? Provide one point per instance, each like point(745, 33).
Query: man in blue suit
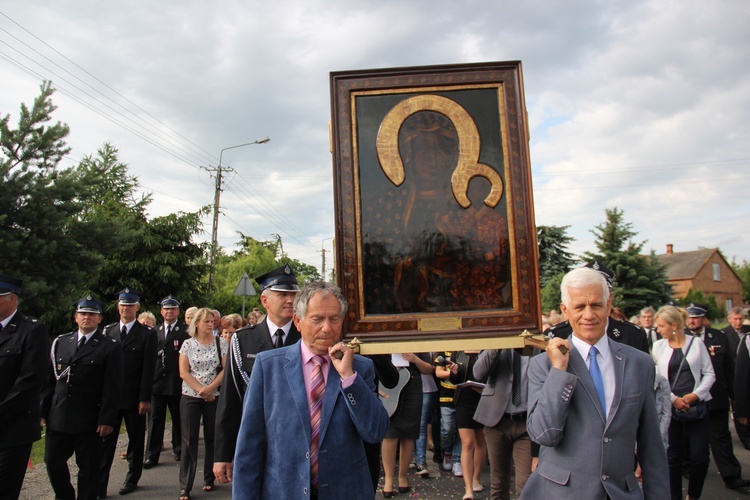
point(275, 454)
point(591, 407)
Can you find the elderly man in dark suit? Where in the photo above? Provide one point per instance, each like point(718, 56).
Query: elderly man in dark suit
point(308, 410)
point(138, 361)
point(24, 344)
point(81, 401)
point(278, 289)
point(591, 408)
point(167, 389)
point(721, 393)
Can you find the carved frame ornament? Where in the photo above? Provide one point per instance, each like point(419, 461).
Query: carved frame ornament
point(435, 234)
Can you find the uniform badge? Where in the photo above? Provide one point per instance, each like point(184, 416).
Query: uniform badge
point(59, 367)
point(712, 350)
point(616, 333)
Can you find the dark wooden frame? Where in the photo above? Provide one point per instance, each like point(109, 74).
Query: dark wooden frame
point(364, 103)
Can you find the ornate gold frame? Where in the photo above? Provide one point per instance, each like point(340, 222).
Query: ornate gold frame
point(483, 105)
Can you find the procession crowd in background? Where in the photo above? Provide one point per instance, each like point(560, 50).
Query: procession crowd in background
point(611, 406)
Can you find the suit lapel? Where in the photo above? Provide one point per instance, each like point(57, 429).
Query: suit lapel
point(577, 366)
point(130, 337)
point(296, 381)
point(89, 346)
point(293, 336)
point(618, 363)
point(5, 334)
point(329, 399)
point(11, 327)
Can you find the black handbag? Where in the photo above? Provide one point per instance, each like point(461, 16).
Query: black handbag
point(698, 410)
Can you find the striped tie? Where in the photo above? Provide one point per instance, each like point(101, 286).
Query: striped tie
point(317, 388)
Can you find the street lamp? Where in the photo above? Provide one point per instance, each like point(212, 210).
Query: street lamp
point(217, 196)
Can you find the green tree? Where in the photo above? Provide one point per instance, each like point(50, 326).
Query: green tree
point(554, 257)
point(640, 280)
point(157, 257)
point(43, 243)
point(551, 296)
point(254, 258)
point(743, 271)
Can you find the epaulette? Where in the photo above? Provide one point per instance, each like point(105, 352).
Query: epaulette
point(111, 324)
point(245, 328)
point(558, 325)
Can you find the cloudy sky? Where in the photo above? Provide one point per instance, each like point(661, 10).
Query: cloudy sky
point(640, 105)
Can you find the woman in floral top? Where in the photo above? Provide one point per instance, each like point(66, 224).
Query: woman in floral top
point(202, 358)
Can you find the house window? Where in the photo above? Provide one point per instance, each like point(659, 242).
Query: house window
point(728, 305)
point(717, 272)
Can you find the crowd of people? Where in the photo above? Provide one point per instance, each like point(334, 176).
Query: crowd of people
point(610, 409)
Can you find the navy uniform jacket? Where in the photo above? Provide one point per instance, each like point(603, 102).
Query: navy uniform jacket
point(167, 381)
point(619, 331)
point(139, 362)
point(24, 359)
point(89, 394)
point(248, 341)
point(723, 362)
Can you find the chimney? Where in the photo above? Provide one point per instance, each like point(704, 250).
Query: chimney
point(670, 249)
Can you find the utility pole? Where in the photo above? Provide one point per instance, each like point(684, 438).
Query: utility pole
point(323, 252)
point(323, 266)
point(215, 225)
point(217, 198)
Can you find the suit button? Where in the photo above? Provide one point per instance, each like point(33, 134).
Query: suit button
point(606, 439)
point(604, 477)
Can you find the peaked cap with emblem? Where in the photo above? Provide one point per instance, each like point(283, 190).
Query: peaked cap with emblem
point(281, 279)
point(89, 304)
point(10, 284)
point(169, 302)
point(128, 297)
point(606, 272)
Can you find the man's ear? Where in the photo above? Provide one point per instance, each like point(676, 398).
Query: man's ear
point(296, 319)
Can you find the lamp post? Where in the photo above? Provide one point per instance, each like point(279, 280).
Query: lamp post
point(217, 195)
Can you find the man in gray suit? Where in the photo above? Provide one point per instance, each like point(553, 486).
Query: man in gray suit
point(591, 408)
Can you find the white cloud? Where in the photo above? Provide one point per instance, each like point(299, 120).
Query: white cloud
point(643, 105)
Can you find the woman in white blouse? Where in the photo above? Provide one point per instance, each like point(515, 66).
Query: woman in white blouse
point(202, 358)
point(685, 362)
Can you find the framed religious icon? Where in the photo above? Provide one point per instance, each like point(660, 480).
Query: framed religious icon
point(435, 235)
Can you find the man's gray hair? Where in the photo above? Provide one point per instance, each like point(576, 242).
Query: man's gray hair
point(311, 289)
point(648, 309)
point(736, 310)
point(582, 277)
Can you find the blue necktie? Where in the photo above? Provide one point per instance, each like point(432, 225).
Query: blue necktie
point(596, 376)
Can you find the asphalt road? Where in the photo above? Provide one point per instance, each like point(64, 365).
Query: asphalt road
point(162, 482)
